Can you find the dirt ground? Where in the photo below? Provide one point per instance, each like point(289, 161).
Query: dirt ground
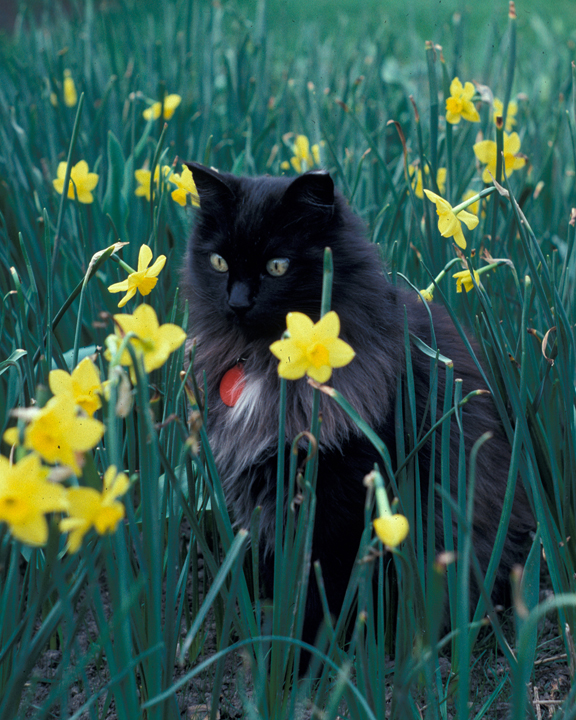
point(548, 689)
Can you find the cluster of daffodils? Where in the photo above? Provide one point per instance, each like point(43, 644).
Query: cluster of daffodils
point(51, 442)
point(185, 186)
point(314, 349)
point(51, 446)
point(460, 106)
point(82, 182)
point(304, 157)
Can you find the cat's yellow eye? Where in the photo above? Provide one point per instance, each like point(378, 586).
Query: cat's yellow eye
point(218, 263)
point(277, 266)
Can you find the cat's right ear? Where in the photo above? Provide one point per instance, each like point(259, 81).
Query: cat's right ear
point(315, 188)
point(213, 188)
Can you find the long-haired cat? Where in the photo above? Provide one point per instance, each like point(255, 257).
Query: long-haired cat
point(256, 253)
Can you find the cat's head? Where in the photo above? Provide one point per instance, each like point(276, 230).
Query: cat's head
point(256, 252)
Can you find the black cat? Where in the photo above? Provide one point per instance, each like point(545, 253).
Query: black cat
point(256, 253)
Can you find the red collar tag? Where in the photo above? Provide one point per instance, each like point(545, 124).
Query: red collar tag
point(232, 384)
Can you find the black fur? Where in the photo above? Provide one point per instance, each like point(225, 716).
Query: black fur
point(249, 221)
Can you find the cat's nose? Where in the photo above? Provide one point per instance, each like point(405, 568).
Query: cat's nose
point(239, 297)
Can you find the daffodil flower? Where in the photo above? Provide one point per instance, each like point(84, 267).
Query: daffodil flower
point(419, 187)
point(89, 508)
point(59, 434)
point(485, 151)
point(83, 386)
point(449, 221)
point(26, 496)
point(143, 280)
point(81, 184)
point(498, 107)
point(184, 186)
point(391, 528)
point(464, 279)
point(171, 102)
point(70, 94)
point(311, 349)
point(305, 157)
point(154, 342)
point(459, 104)
point(143, 179)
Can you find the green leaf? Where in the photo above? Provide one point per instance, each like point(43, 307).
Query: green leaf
point(114, 200)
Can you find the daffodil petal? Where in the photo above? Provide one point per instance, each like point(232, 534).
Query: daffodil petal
point(144, 257)
point(299, 325)
point(468, 219)
point(485, 150)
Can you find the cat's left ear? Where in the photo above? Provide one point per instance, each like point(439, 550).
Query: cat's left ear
point(314, 188)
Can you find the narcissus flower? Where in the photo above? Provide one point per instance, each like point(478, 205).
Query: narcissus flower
point(498, 107)
point(464, 278)
point(305, 157)
point(418, 186)
point(26, 496)
point(153, 341)
point(449, 222)
point(391, 528)
point(144, 280)
point(89, 508)
point(171, 102)
point(70, 94)
point(59, 434)
point(485, 151)
point(82, 182)
point(311, 349)
point(185, 187)
point(143, 179)
point(83, 386)
point(459, 104)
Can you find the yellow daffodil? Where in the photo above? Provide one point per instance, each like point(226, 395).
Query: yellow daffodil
point(83, 386)
point(58, 434)
point(485, 151)
point(305, 157)
point(89, 508)
point(70, 94)
point(449, 223)
point(498, 107)
point(153, 341)
point(143, 179)
point(144, 280)
point(464, 278)
point(185, 186)
point(26, 496)
point(459, 104)
point(419, 188)
point(391, 529)
point(312, 349)
point(81, 183)
point(427, 294)
point(171, 102)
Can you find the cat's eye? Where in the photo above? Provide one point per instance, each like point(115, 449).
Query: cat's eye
point(277, 266)
point(218, 263)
